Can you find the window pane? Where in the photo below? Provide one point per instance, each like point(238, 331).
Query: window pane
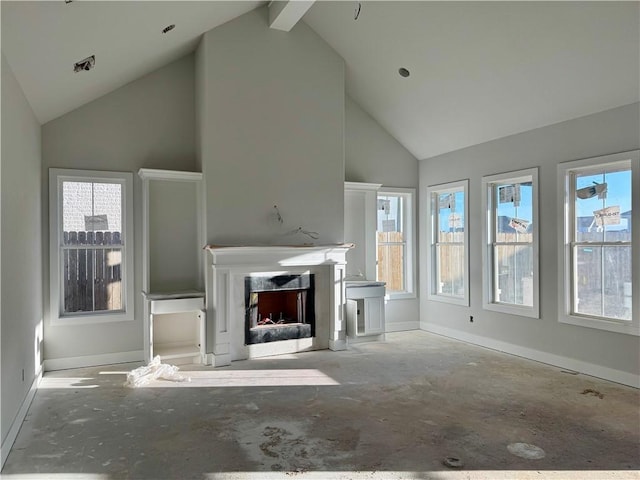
point(390, 215)
point(92, 279)
point(390, 266)
point(450, 276)
point(603, 206)
point(92, 216)
point(514, 212)
point(450, 217)
point(514, 274)
point(607, 295)
point(92, 207)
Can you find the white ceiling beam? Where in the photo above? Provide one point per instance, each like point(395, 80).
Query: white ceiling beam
point(284, 14)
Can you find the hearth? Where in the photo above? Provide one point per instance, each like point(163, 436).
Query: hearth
point(280, 307)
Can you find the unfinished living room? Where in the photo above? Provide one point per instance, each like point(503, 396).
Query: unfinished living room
point(323, 240)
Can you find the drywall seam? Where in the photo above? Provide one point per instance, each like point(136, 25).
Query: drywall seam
point(93, 360)
point(586, 368)
point(17, 421)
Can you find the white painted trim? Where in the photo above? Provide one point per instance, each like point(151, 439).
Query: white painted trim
point(93, 360)
point(431, 192)
point(19, 418)
point(489, 208)
point(586, 368)
point(565, 237)
point(402, 326)
point(408, 196)
point(365, 187)
point(125, 179)
point(155, 174)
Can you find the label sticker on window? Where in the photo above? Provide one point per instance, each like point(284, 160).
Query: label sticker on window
point(607, 216)
point(389, 226)
point(509, 194)
point(599, 189)
point(95, 222)
point(519, 225)
point(448, 200)
point(455, 220)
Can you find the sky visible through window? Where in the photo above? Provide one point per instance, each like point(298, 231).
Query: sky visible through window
point(618, 193)
point(451, 212)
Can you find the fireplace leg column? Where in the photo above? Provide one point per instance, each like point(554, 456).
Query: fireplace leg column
point(218, 307)
point(338, 334)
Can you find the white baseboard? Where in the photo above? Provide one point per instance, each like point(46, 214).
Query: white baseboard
point(586, 368)
point(93, 360)
point(402, 326)
point(19, 418)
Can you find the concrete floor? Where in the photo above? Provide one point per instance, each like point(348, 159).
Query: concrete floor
point(385, 410)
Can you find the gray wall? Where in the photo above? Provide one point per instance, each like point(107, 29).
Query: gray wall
point(148, 123)
point(612, 131)
point(175, 248)
point(271, 132)
point(21, 283)
point(372, 155)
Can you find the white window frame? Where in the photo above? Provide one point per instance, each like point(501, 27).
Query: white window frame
point(433, 193)
point(489, 184)
point(408, 221)
point(56, 177)
point(566, 207)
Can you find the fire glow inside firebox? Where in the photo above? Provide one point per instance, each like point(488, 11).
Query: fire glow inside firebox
point(279, 308)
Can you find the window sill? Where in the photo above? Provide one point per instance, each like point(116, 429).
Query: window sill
point(400, 296)
point(74, 320)
point(627, 328)
point(452, 300)
point(530, 312)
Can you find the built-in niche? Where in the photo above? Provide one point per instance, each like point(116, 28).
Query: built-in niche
point(280, 307)
point(172, 279)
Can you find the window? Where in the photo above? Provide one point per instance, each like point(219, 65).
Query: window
point(600, 242)
point(91, 246)
point(510, 254)
point(395, 241)
point(449, 226)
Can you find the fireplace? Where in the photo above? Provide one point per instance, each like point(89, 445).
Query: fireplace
point(280, 307)
point(249, 286)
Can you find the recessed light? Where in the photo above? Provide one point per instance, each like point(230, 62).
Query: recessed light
point(168, 28)
point(404, 72)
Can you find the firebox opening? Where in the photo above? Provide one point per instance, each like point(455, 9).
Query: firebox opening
point(279, 308)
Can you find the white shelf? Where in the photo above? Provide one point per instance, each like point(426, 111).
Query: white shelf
point(180, 350)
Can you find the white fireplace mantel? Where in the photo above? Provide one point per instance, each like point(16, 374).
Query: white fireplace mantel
point(225, 297)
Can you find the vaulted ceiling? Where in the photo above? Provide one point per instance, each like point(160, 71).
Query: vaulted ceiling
point(478, 70)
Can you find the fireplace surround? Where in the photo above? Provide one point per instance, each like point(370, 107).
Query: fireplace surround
point(230, 310)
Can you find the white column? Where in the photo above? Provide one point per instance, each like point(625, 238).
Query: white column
point(338, 335)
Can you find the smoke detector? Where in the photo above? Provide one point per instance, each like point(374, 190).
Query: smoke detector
point(85, 64)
